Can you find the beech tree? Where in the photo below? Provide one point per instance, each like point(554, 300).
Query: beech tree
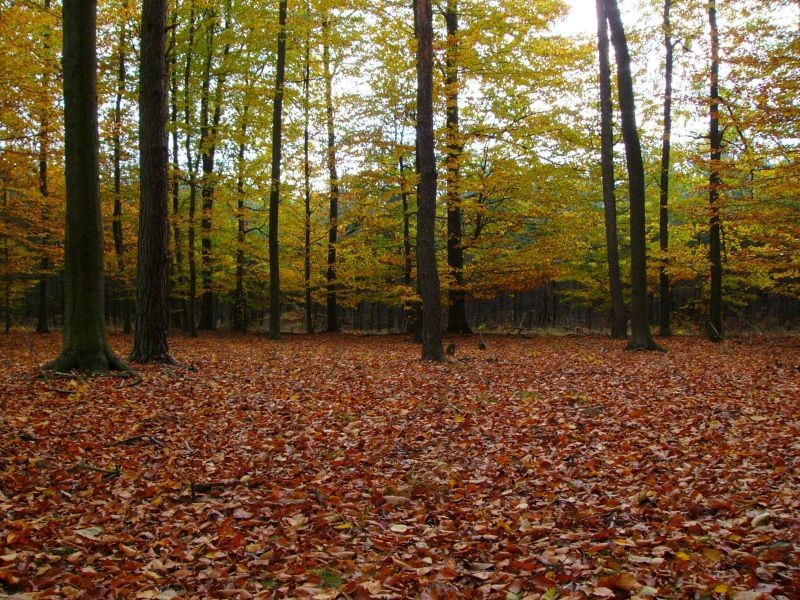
point(152, 308)
point(619, 326)
point(715, 330)
point(641, 338)
point(85, 341)
point(426, 189)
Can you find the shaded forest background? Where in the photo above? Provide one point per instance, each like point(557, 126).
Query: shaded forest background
point(520, 164)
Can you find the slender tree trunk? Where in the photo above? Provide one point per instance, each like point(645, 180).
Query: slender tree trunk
point(207, 152)
point(330, 275)
point(191, 165)
point(412, 310)
point(641, 339)
point(275, 187)
point(307, 184)
point(116, 224)
point(239, 298)
point(457, 311)
point(619, 324)
point(6, 264)
point(44, 152)
point(665, 328)
point(715, 329)
point(177, 233)
point(152, 270)
point(85, 342)
point(428, 275)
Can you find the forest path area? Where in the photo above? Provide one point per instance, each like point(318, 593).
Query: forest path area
point(344, 467)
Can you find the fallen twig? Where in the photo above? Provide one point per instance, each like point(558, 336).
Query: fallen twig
point(141, 436)
point(109, 473)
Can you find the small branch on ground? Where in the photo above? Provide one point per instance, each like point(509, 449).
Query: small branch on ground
point(109, 473)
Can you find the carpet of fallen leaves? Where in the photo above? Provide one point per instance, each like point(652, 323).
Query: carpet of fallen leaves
point(344, 467)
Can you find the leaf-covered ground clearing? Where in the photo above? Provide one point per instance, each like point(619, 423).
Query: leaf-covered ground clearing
point(344, 467)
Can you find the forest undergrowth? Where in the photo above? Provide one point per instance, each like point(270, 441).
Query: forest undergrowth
point(344, 467)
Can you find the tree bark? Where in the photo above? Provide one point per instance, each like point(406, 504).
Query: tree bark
point(665, 328)
point(330, 275)
point(239, 296)
point(715, 329)
point(275, 187)
point(44, 152)
point(191, 165)
point(307, 184)
point(116, 224)
point(428, 275)
point(457, 311)
point(152, 269)
point(619, 322)
point(85, 341)
point(640, 339)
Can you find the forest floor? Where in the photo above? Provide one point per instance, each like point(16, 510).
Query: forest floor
point(344, 467)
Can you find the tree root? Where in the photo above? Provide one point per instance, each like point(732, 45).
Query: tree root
point(142, 436)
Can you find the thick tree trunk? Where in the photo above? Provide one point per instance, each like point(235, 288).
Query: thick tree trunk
point(715, 330)
point(619, 322)
point(641, 339)
point(665, 328)
point(330, 275)
point(152, 270)
point(275, 187)
point(457, 311)
point(427, 273)
point(85, 342)
point(116, 224)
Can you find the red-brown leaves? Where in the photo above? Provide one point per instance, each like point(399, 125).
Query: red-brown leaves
point(332, 467)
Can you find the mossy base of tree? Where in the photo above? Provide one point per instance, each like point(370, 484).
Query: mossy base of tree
point(94, 362)
point(641, 346)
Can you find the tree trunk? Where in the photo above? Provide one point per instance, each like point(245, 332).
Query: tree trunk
point(307, 185)
point(665, 328)
point(44, 152)
point(330, 276)
point(207, 152)
point(239, 299)
point(619, 322)
point(85, 342)
point(715, 330)
point(191, 165)
point(177, 234)
point(116, 224)
point(152, 269)
point(275, 187)
point(641, 339)
point(428, 275)
point(457, 311)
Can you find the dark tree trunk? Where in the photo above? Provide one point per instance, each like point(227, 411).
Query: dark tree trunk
point(275, 187)
point(85, 341)
point(116, 224)
point(665, 328)
point(412, 310)
point(619, 322)
point(6, 263)
point(641, 339)
point(178, 278)
point(715, 330)
point(457, 311)
point(44, 152)
point(330, 276)
point(152, 269)
point(191, 164)
point(427, 273)
point(307, 185)
point(239, 297)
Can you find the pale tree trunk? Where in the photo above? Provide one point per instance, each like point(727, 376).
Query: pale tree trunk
point(619, 325)
point(152, 272)
point(85, 341)
point(641, 339)
point(333, 216)
point(715, 330)
point(428, 275)
point(275, 186)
